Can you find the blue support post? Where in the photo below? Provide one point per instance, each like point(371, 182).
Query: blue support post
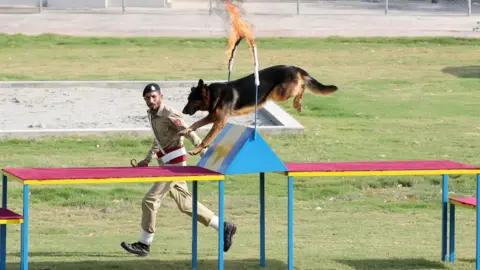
point(452, 233)
point(444, 215)
point(24, 233)
point(4, 191)
point(262, 219)
point(194, 224)
point(290, 223)
point(3, 228)
point(477, 265)
point(220, 224)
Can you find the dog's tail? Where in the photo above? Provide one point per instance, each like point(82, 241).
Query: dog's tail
point(315, 86)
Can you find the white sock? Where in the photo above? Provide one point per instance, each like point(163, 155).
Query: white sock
point(146, 237)
point(214, 223)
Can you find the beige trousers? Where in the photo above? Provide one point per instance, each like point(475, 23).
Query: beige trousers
point(177, 190)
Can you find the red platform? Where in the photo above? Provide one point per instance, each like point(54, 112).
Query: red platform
point(7, 216)
point(110, 174)
point(465, 202)
point(377, 166)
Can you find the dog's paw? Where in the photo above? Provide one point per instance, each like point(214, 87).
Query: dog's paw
point(298, 107)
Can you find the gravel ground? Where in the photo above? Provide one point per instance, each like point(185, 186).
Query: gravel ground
point(88, 107)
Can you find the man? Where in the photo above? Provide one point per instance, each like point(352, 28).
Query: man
point(168, 148)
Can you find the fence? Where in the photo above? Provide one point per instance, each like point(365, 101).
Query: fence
point(330, 7)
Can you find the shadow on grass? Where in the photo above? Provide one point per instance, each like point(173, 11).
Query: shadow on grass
point(147, 264)
point(466, 260)
point(398, 264)
point(463, 72)
point(79, 254)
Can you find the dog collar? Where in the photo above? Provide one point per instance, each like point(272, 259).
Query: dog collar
point(209, 104)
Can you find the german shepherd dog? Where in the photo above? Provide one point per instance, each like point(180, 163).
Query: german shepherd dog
point(224, 99)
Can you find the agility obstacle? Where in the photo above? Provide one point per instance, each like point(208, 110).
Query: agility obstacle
point(7, 216)
point(236, 150)
point(104, 175)
point(471, 203)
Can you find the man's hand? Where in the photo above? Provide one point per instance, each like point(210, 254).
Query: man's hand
point(143, 163)
point(185, 132)
point(197, 150)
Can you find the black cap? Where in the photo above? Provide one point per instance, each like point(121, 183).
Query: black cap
point(151, 87)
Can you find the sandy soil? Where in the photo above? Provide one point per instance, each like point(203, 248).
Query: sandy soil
point(87, 107)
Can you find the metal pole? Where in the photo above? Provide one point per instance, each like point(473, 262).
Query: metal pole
point(123, 6)
point(298, 7)
point(477, 226)
point(386, 7)
point(3, 227)
point(452, 233)
point(290, 223)
point(40, 4)
point(194, 223)
point(469, 7)
point(262, 219)
point(210, 7)
point(444, 215)
point(24, 231)
point(257, 83)
point(220, 223)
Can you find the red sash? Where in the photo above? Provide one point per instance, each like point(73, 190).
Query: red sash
point(176, 160)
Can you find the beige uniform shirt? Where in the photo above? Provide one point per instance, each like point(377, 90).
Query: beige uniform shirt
point(166, 123)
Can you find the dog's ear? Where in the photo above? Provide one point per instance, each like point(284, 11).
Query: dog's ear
point(200, 83)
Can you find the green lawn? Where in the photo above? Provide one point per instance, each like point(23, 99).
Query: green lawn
point(399, 99)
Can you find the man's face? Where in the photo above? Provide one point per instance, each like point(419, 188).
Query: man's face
point(153, 100)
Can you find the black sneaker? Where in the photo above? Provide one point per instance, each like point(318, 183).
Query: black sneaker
point(137, 248)
point(229, 229)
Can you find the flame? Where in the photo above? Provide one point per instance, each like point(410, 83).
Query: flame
point(240, 30)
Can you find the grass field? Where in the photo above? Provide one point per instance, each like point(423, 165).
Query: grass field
point(399, 99)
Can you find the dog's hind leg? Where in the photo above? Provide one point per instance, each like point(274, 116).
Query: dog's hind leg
point(297, 90)
point(297, 101)
point(291, 88)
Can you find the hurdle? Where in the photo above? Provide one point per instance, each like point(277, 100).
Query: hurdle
point(470, 203)
point(105, 175)
point(241, 150)
point(7, 216)
point(390, 168)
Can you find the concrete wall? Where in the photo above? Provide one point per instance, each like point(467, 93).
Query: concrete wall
point(19, 3)
point(89, 3)
point(76, 3)
point(138, 3)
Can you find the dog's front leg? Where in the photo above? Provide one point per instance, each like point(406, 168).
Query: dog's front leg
point(217, 126)
point(200, 123)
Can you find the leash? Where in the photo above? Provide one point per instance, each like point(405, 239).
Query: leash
point(133, 162)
